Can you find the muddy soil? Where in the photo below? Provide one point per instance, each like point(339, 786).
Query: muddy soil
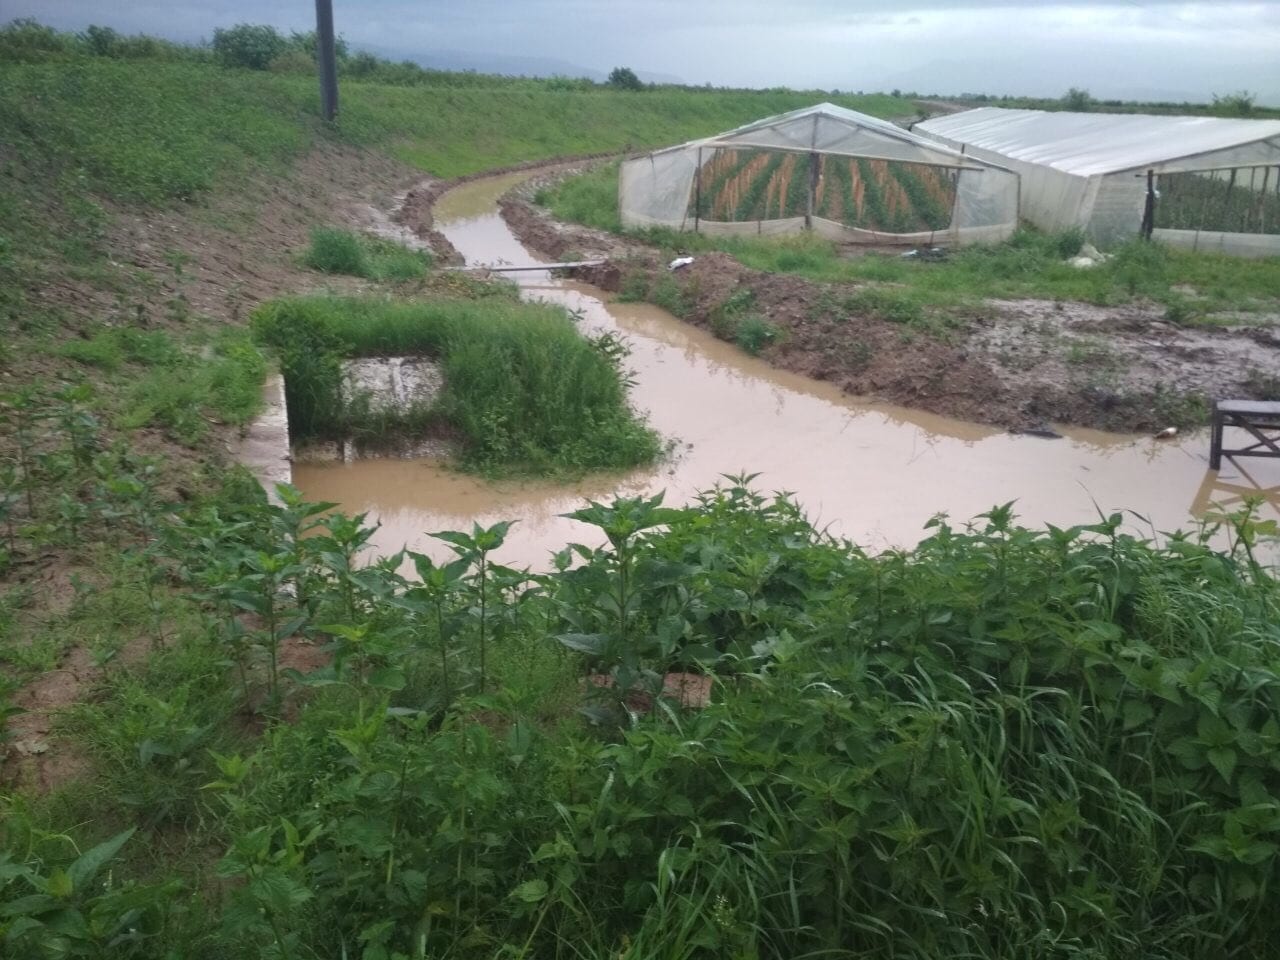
point(1015, 364)
point(215, 260)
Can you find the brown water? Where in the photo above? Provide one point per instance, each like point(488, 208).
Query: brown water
point(872, 472)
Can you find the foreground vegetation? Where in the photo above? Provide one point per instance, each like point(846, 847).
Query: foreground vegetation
point(1003, 743)
point(1194, 286)
point(523, 389)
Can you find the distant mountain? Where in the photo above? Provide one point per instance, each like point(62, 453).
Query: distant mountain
point(506, 64)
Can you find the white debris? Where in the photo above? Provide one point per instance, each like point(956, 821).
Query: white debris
point(1168, 433)
point(679, 262)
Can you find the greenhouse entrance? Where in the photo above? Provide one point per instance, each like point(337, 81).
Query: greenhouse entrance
point(844, 175)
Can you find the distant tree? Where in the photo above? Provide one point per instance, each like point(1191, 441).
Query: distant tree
point(293, 61)
point(100, 41)
point(1239, 104)
point(363, 64)
point(28, 40)
point(306, 43)
point(248, 45)
point(561, 82)
point(624, 78)
point(1077, 99)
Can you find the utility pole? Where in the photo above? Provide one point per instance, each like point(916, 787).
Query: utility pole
point(327, 58)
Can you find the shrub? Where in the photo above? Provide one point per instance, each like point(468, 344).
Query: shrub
point(341, 251)
point(292, 61)
point(1067, 243)
point(624, 78)
point(336, 251)
point(1077, 99)
point(248, 45)
point(754, 333)
point(29, 40)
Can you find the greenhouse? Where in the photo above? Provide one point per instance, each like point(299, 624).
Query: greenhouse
point(841, 174)
point(1204, 183)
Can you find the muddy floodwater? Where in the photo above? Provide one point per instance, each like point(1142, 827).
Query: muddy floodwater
point(863, 470)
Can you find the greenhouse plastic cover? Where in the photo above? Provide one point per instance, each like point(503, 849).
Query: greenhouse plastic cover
point(1090, 144)
point(656, 189)
point(1086, 169)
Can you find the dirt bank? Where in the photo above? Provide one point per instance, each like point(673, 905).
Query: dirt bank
point(168, 269)
point(1016, 364)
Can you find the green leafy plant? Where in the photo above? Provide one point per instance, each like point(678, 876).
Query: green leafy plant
point(59, 908)
point(754, 333)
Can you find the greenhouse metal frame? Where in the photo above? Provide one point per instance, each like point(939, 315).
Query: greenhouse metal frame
point(1113, 175)
point(663, 188)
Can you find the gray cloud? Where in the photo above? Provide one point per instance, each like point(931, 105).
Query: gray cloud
point(1114, 48)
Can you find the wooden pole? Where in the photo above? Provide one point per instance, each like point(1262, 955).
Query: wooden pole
point(813, 175)
point(697, 194)
point(813, 191)
point(327, 59)
point(1262, 203)
point(1149, 208)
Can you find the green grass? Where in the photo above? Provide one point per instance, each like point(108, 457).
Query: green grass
point(455, 132)
point(590, 198)
point(160, 131)
point(111, 347)
point(522, 387)
point(1030, 264)
point(1071, 731)
point(342, 251)
point(153, 380)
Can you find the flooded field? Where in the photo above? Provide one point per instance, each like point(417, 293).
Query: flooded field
point(867, 471)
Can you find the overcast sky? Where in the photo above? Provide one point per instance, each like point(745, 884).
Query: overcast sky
point(1121, 48)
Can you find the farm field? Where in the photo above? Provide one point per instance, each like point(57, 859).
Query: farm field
point(700, 730)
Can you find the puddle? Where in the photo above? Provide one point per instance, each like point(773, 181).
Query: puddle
point(871, 472)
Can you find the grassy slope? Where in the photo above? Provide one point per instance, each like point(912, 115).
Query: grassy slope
point(154, 131)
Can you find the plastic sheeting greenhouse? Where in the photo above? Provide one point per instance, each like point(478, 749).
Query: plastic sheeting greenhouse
point(842, 174)
point(1214, 183)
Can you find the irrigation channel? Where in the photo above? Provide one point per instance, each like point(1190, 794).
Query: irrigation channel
point(872, 472)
